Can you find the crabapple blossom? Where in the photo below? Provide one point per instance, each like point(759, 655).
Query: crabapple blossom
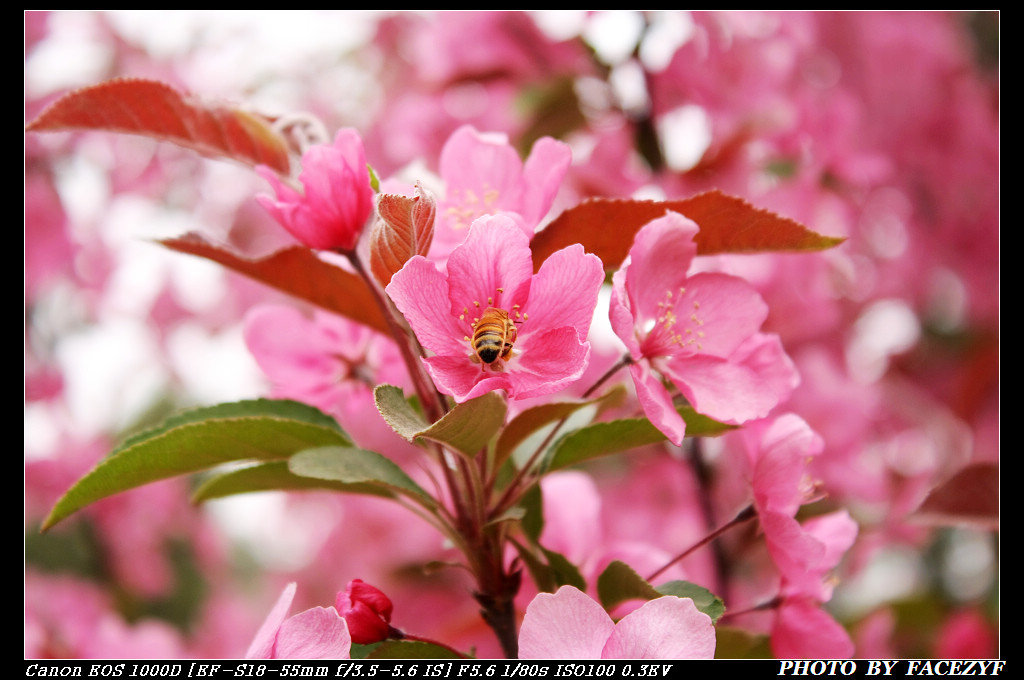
point(570, 625)
point(800, 113)
point(366, 610)
point(967, 634)
point(803, 630)
point(329, 362)
point(778, 451)
point(702, 332)
point(337, 200)
point(317, 633)
point(551, 311)
point(483, 175)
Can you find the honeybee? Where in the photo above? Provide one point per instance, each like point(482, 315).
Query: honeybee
point(494, 333)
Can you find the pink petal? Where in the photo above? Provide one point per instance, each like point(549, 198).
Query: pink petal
point(420, 292)
point(621, 315)
point(572, 515)
point(549, 361)
point(802, 630)
point(657, 403)
point(463, 379)
point(665, 628)
point(483, 174)
point(787, 436)
point(796, 554)
point(713, 314)
point(564, 291)
point(719, 388)
point(317, 633)
point(763, 353)
point(658, 261)
point(262, 646)
point(837, 531)
point(288, 347)
point(780, 450)
point(493, 267)
point(565, 625)
point(542, 176)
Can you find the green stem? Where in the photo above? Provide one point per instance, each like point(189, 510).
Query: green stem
point(434, 403)
point(395, 634)
point(524, 477)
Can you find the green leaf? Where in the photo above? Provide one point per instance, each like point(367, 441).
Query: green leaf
point(535, 418)
point(542, 574)
point(398, 413)
point(706, 601)
point(565, 572)
point(467, 428)
point(615, 436)
point(619, 583)
point(551, 572)
point(513, 514)
point(734, 643)
point(603, 439)
point(272, 408)
point(700, 425)
point(273, 476)
point(533, 521)
point(199, 440)
point(357, 466)
point(411, 649)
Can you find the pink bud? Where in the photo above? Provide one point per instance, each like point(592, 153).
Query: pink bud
point(336, 201)
point(366, 610)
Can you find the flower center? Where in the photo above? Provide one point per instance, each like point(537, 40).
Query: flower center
point(467, 206)
point(678, 326)
point(493, 331)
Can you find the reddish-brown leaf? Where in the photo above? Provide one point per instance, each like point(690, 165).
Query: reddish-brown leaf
point(155, 109)
point(404, 227)
point(299, 272)
point(728, 224)
point(970, 497)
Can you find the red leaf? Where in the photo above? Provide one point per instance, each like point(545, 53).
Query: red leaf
point(970, 497)
point(728, 224)
point(298, 272)
point(404, 227)
point(155, 109)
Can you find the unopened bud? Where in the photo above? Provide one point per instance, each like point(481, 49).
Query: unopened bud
point(404, 227)
point(367, 611)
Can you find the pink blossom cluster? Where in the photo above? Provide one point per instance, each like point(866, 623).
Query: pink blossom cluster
point(847, 387)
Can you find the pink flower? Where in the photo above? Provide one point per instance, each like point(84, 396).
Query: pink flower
point(778, 451)
point(317, 633)
point(483, 175)
point(702, 332)
point(570, 625)
point(803, 630)
point(967, 634)
point(367, 611)
point(550, 312)
point(332, 363)
point(338, 198)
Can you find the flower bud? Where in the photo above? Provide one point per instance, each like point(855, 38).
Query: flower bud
point(337, 199)
point(404, 227)
point(366, 610)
